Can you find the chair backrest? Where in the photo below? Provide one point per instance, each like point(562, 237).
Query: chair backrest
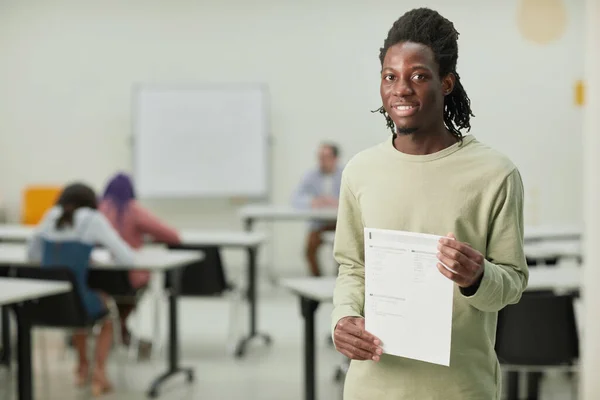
point(203, 278)
point(540, 330)
point(63, 310)
point(36, 201)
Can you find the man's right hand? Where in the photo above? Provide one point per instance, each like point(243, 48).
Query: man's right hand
point(352, 340)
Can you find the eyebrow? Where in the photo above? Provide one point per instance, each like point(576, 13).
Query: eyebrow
point(413, 68)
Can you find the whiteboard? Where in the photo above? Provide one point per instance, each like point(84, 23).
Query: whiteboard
point(201, 141)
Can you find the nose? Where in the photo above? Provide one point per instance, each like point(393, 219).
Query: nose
point(403, 87)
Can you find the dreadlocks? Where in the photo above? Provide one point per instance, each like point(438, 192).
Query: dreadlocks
point(428, 27)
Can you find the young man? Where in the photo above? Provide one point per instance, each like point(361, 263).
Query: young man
point(319, 188)
point(429, 178)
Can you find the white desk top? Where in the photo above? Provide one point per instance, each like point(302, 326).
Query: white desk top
point(283, 212)
point(314, 288)
point(554, 248)
point(153, 259)
point(555, 278)
point(553, 232)
point(540, 278)
point(15, 290)
point(536, 239)
point(15, 232)
point(194, 237)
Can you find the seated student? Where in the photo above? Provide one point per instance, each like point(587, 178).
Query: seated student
point(133, 222)
point(320, 188)
point(65, 237)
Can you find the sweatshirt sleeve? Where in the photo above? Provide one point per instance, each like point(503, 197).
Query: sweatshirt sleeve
point(150, 225)
point(505, 274)
point(348, 296)
point(103, 233)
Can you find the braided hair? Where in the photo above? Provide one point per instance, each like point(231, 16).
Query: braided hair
point(428, 27)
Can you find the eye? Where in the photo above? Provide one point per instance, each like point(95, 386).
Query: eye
point(419, 77)
point(389, 77)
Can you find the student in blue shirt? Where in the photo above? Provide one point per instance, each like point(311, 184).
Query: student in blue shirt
point(65, 237)
point(320, 188)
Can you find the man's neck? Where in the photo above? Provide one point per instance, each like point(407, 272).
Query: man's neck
point(421, 143)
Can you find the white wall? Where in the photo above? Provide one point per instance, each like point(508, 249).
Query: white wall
point(67, 68)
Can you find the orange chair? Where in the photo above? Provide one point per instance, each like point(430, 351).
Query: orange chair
point(36, 201)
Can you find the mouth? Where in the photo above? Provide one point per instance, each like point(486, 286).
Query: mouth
point(405, 110)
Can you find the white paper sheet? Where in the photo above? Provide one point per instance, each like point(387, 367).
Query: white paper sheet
point(408, 302)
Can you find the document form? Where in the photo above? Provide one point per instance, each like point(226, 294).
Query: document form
point(408, 302)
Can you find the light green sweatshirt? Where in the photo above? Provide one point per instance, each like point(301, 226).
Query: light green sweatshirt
point(467, 189)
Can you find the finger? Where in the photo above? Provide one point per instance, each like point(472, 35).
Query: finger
point(453, 254)
point(361, 324)
point(451, 264)
point(358, 342)
point(357, 354)
point(460, 246)
point(348, 354)
point(461, 281)
point(356, 327)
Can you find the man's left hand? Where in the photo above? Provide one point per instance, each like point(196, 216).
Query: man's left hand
point(465, 262)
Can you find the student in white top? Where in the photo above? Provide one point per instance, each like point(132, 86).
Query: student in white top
point(65, 238)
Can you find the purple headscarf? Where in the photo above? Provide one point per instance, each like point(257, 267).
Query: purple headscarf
point(119, 191)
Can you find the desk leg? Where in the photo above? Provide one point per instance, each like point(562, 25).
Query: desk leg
point(512, 387)
point(241, 346)
point(308, 308)
point(248, 222)
point(174, 367)
point(5, 354)
point(24, 375)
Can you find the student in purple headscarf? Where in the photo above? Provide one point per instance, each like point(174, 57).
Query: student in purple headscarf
point(133, 222)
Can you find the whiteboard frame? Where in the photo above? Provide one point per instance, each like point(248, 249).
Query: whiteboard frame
point(263, 87)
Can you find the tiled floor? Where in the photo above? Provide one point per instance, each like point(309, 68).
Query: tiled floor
point(266, 373)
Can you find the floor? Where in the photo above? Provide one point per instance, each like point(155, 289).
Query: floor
point(265, 373)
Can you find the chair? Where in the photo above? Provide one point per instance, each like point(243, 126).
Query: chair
point(36, 201)
point(116, 284)
point(535, 335)
point(63, 310)
point(5, 324)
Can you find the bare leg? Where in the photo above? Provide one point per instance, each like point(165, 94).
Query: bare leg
point(313, 242)
point(124, 311)
point(100, 383)
point(80, 343)
point(312, 246)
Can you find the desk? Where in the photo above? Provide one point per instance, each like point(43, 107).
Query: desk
point(154, 260)
point(15, 232)
point(14, 291)
point(191, 239)
point(315, 290)
point(312, 291)
point(270, 212)
point(553, 249)
point(553, 232)
point(249, 241)
point(547, 248)
point(558, 278)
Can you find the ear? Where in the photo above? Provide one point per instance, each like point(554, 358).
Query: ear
point(448, 83)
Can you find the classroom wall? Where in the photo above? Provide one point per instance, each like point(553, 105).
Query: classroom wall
point(67, 68)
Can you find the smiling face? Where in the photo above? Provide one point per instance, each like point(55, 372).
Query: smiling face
point(412, 90)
